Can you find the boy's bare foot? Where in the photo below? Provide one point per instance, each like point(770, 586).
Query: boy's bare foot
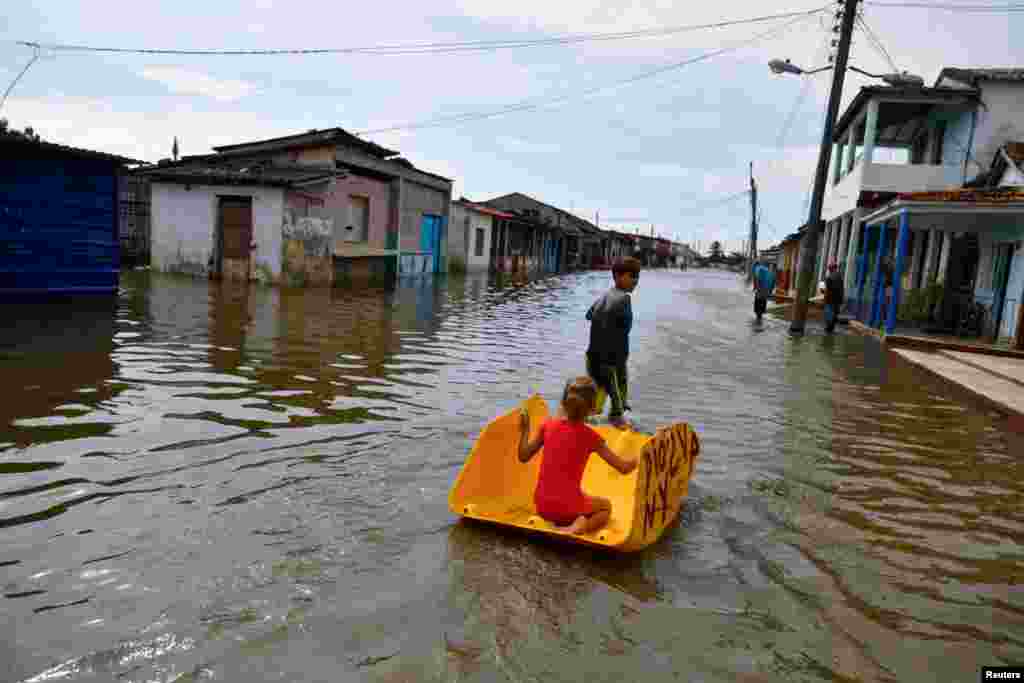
point(578, 527)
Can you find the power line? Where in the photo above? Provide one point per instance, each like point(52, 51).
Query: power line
point(429, 48)
point(537, 103)
point(1011, 8)
point(876, 43)
point(17, 78)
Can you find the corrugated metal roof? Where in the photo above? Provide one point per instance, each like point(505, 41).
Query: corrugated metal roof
point(309, 138)
point(26, 144)
point(972, 76)
point(278, 177)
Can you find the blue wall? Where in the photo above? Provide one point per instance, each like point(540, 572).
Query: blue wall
point(58, 224)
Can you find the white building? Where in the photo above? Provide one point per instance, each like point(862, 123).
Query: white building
point(894, 142)
point(469, 235)
point(239, 226)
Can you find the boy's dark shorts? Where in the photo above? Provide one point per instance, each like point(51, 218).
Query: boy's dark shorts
point(760, 305)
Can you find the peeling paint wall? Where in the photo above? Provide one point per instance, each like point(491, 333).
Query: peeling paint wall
point(379, 198)
point(307, 257)
point(418, 201)
point(184, 228)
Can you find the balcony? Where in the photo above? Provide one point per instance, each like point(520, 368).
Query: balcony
point(910, 177)
point(896, 140)
point(882, 177)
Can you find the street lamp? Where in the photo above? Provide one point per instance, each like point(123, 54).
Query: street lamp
point(902, 79)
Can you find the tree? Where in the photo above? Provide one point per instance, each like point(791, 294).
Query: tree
point(716, 250)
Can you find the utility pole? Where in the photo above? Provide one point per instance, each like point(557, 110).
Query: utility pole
point(809, 244)
point(752, 254)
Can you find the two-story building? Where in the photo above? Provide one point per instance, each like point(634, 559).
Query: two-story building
point(892, 142)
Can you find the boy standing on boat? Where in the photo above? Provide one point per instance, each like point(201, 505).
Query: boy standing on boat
point(611, 319)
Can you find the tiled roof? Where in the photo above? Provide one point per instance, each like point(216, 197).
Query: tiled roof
point(479, 208)
point(26, 144)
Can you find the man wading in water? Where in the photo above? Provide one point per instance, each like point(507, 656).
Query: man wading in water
point(764, 285)
point(834, 296)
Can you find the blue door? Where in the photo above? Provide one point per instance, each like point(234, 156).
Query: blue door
point(430, 244)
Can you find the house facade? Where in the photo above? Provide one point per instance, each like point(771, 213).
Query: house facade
point(540, 237)
point(384, 216)
point(241, 225)
point(471, 236)
point(894, 143)
point(59, 218)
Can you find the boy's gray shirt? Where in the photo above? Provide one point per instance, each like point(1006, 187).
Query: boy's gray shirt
point(611, 318)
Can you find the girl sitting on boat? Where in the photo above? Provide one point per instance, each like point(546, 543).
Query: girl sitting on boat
point(568, 442)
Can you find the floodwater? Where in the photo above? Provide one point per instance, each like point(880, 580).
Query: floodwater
point(206, 482)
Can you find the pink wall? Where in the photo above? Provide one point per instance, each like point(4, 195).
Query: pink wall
point(379, 194)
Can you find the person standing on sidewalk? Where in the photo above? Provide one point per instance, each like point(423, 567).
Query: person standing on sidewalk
point(611, 319)
point(764, 286)
point(834, 297)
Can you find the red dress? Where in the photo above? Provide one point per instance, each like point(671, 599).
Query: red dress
point(567, 446)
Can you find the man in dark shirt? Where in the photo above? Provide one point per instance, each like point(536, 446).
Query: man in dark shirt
point(834, 297)
point(611, 318)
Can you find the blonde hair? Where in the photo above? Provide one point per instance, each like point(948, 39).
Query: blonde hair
point(579, 398)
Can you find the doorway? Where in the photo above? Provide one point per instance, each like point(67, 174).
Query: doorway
point(234, 230)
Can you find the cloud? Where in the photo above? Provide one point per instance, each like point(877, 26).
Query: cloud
point(185, 82)
point(109, 126)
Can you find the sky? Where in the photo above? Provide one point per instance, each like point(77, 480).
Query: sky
point(661, 151)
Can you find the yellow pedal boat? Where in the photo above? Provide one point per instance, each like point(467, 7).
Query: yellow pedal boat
point(494, 486)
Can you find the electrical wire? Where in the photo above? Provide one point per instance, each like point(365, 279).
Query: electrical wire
point(876, 43)
point(1011, 8)
point(17, 78)
point(533, 104)
point(431, 48)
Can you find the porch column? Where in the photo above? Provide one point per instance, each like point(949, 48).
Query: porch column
point(844, 240)
point(851, 147)
point(931, 257)
point(862, 273)
point(914, 265)
point(850, 277)
point(876, 303)
point(819, 266)
point(838, 243)
point(897, 277)
point(837, 166)
point(870, 130)
point(947, 241)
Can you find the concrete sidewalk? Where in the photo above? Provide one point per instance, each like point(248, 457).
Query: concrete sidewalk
point(998, 381)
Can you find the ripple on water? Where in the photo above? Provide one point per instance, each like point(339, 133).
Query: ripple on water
point(218, 478)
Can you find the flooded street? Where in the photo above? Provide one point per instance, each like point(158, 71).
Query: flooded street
point(211, 482)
